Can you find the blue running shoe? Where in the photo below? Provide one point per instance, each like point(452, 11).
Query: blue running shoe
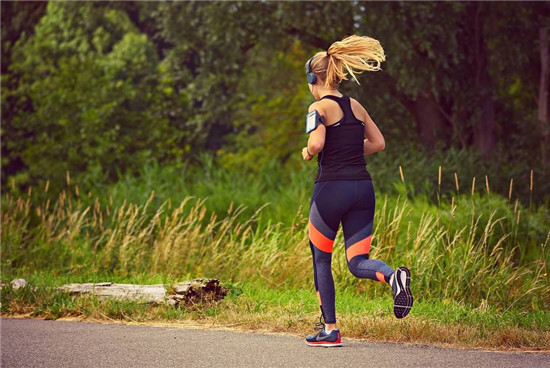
point(402, 296)
point(323, 338)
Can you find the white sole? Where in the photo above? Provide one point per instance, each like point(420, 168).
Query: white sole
point(403, 300)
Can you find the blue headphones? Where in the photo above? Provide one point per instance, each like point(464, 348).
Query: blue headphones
point(311, 77)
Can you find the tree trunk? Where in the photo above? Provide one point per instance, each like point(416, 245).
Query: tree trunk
point(484, 128)
point(544, 96)
point(430, 122)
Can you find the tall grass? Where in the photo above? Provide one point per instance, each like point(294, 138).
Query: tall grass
point(176, 239)
point(474, 248)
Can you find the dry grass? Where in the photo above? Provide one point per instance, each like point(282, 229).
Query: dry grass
point(464, 250)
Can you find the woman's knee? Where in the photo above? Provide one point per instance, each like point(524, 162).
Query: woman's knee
point(354, 265)
point(322, 258)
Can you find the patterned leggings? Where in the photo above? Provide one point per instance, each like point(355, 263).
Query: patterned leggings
point(352, 203)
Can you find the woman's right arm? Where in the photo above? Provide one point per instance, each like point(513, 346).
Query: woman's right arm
point(316, 140)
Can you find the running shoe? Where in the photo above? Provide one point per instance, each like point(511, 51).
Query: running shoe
point(402, 296)
point(323, 338)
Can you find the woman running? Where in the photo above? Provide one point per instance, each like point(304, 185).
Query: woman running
point(343, 190)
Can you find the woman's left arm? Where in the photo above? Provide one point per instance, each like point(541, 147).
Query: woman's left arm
point(374, 140)
point(316, 140)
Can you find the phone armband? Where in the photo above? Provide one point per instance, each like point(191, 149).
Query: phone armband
point(313, 120)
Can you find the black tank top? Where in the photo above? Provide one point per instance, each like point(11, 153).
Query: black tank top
point(342, 156)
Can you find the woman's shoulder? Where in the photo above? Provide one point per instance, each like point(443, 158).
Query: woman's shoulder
point(320, 105)
point(353, 101)
point(358, 110)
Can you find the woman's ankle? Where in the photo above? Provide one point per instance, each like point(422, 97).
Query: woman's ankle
point(330, 326)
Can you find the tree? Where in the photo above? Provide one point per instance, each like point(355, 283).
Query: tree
point(211, 41)
point(484, 123)
point(18, 20)
point(544, 95)
point(88, 79)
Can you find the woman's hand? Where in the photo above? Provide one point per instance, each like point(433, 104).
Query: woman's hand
point(306, 155)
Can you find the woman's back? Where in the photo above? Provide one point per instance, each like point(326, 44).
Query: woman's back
point(342, 156)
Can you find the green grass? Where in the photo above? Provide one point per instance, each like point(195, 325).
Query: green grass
point(295, 310)
point(493, 254)
point(474, 254)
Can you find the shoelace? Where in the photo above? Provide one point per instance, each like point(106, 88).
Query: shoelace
point(320, 325)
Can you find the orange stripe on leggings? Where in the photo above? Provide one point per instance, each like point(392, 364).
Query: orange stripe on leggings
point(380, 276)
point(361, 247)
point(319, 297)
point(320, 241)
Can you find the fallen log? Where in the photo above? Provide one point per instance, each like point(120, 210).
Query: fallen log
point(147, 293)
point(200, 290)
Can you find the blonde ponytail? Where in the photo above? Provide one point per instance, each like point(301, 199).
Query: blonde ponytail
point(353, 55)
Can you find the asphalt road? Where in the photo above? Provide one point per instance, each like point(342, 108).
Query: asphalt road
point(38, 343)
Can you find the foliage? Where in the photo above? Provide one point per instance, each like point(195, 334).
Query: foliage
point(269, 120)
point(101, 116)
point(98, 89)
point(210, 44)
